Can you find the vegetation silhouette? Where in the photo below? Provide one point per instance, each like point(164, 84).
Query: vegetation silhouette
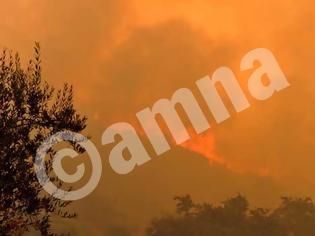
point(30, 111)
point(293, 217)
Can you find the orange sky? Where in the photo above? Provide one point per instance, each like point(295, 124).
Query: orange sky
point(121, 56)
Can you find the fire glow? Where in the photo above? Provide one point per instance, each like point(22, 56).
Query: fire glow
point(257, 87)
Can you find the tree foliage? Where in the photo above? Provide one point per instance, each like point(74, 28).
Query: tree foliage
point(30, 111)
point(293, 217)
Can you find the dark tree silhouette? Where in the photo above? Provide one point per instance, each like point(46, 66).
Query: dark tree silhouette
point(30, 111)
point(294, 217)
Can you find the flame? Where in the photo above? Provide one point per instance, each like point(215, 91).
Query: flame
point(204, 144)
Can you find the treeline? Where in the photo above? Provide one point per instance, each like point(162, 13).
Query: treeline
point(293, 217)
